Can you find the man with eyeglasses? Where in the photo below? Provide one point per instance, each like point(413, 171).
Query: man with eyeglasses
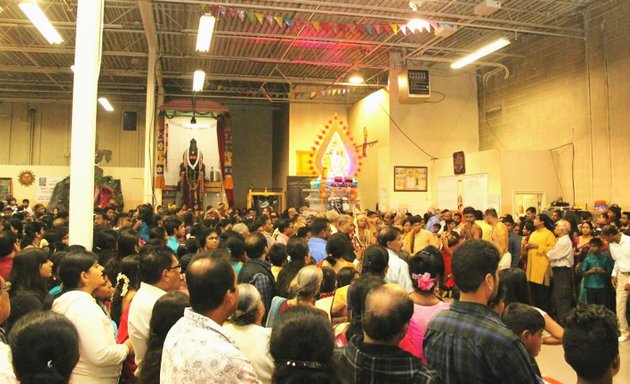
point(159, 272)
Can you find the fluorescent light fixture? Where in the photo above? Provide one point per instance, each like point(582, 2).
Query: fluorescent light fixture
point(105, 104)
point(417, 25)
point(204, 34)
point(356, 78)
point(40, 21)
point(481, 52)
point(198, 80)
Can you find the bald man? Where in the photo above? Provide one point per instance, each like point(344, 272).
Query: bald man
point(374, 357)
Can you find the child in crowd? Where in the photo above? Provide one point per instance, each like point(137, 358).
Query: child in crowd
point(450, 241)
point(103, 296)
point(436, 231)
point(590, 344)
point(528, 325)
point(596, 269)
point(277, 256)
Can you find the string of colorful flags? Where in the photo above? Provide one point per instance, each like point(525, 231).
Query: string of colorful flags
point(261, 92)
point(417, 25)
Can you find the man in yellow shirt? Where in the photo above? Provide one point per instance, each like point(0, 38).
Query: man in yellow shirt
point(419, 238)
point(538, 270)
point(498, 237)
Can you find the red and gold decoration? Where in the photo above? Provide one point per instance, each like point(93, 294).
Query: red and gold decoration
point(160, 160)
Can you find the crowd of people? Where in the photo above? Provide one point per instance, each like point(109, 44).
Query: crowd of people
point(182, 295)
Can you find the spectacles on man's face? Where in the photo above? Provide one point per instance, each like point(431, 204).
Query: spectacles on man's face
point(178, 266)
point(7, 287)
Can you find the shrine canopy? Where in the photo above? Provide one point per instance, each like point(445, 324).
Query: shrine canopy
point(200, 107)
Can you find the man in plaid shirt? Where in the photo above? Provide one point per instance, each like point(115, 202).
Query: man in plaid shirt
point(468, 343)
point(374, 357)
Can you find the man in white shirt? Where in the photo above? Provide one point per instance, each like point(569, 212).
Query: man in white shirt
point(398, 271)
point(159, 273)
point(619, 245)
point(197, 350)
point(561, 258)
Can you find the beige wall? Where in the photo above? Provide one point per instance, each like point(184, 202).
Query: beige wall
point(369, 112)
point(49, 143)
point(306, 120)
point(519, 176)
point(447, 124)
point(566, 91)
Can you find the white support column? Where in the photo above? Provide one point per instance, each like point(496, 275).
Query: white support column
point(149, 128)
point(87, 61)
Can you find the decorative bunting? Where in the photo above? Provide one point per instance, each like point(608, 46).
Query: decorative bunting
point(336, 29)
point(279, 20)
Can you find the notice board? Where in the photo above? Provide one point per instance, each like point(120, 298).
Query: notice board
point(476, 191)
point(447, 192)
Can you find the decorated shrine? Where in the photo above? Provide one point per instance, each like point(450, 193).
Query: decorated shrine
point(336, 161)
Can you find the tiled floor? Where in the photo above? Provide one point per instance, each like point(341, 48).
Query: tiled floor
point(552, 364)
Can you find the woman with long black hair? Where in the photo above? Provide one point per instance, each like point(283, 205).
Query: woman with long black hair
point(30, 275)
point(100, 357)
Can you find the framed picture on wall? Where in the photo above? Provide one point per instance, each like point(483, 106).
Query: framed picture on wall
point(6, 188)
point(459, 163)
point(410, 179)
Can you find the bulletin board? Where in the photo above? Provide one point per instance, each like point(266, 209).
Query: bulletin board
point(447, 192)
point(476, 191)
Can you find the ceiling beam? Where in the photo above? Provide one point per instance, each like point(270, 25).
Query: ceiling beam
point(175, 75)
point(246, 36)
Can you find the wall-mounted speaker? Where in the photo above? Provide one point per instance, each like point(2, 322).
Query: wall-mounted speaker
point(130, 121)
